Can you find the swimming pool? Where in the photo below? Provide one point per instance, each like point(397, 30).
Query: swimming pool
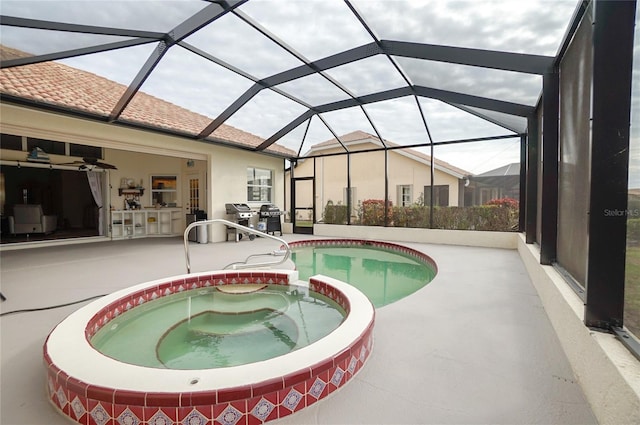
point(384, 272)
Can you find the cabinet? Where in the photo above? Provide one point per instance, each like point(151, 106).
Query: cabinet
point(127, 224)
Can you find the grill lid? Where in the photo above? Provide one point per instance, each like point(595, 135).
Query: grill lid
point(237, 208)
point(269, 210)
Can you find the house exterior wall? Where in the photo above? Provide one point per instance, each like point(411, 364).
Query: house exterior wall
point(368, 177)
point(139, 154)
point(229, 181)
point(407, 171)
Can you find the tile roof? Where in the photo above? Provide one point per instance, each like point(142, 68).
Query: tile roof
point(358, 136)
point(68, 87)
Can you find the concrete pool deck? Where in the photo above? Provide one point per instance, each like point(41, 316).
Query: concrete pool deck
point(473, 346)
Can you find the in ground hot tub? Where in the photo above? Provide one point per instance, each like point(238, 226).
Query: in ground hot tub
point(91, 387)
point(219, 326)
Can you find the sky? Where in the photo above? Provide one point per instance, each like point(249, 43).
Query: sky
point(315, 29)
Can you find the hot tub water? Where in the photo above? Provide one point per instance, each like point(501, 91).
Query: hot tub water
point(207, 328)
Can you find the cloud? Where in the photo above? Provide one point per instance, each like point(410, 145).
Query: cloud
point(159, 16)
point(314, 28)
point(367, 76)
point(234, 41)
point(314, 89)
point(509, 25)
point(480, 157)
point(266, 113)
point(490, 83)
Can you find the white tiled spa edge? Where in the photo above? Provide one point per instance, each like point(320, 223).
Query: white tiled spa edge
point(71, 352)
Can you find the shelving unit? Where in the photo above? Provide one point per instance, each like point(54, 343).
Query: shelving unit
point(128, 224)
point(131, 196)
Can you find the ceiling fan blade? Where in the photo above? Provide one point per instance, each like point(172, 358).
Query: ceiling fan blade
point(73, 164)
point(88, 163)
point(106, 166)
point(95, 162)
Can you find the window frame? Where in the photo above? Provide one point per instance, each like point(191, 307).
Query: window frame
point(51, 147)
point(404, 199)
point(260, 187)
point(437, 192)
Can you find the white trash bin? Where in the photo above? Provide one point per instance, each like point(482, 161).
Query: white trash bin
point(203, 236)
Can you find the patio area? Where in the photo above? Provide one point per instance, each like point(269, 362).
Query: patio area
point(473, 346)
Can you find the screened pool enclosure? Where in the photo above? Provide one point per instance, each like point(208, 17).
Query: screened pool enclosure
point(496, 116)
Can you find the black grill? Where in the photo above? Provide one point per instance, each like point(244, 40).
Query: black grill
point(269, 210)
point(270, 214)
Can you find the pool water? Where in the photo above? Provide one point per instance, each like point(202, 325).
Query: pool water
point(383, 275)
point(206, 328)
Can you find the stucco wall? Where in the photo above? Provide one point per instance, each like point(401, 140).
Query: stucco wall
point(507, 240)
point(229, 182)
point(407, 171)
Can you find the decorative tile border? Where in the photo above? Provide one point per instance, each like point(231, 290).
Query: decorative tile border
point(255, 403)
point(341, 243)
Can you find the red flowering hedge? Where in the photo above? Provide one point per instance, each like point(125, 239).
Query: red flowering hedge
point(372, 212)
point(504, 202)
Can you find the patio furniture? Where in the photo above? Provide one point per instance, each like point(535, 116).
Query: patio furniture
point(29, 218)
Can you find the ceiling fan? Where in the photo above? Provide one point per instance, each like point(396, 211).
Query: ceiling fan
point(91, 163)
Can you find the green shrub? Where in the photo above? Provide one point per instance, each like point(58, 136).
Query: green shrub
point(500, 215)
point(633, 231)
point(633, 202)
point(415, 216)
point(335, 214)
point(485, 217)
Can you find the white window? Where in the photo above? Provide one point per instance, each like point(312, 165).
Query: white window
point(405, 195)
point(259, 185)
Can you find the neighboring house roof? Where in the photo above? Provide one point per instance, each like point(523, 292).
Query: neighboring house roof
point(59, 84)
point(505, 176)
point(360, 137)
point(512, 169)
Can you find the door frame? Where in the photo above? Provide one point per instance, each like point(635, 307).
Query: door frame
point(297, 228)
